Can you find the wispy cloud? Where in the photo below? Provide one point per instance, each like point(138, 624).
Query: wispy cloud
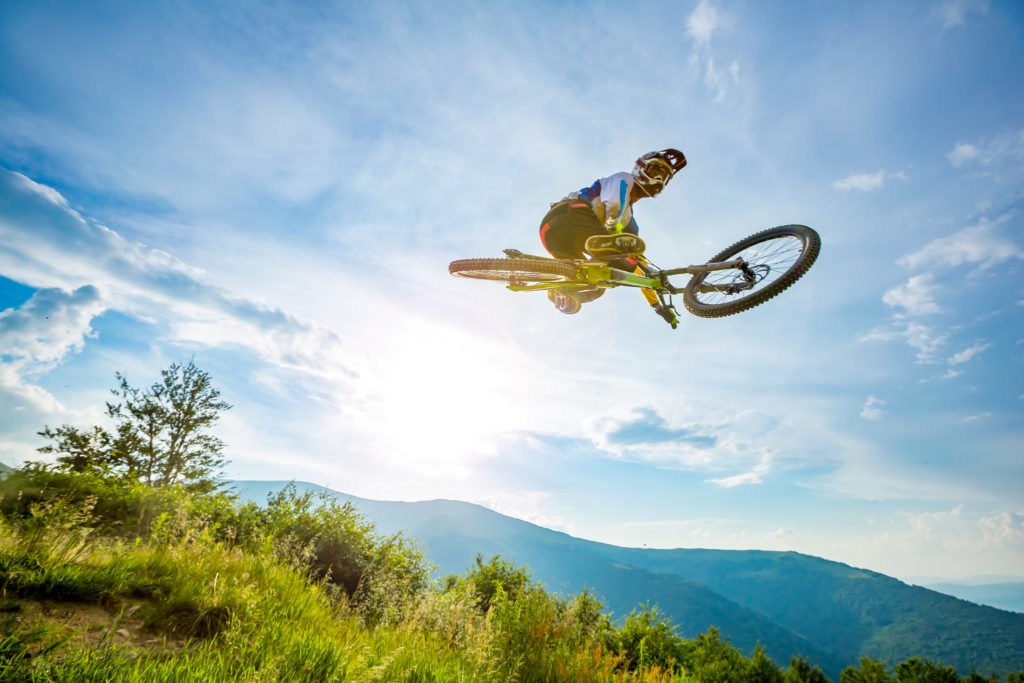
point(988, 151)
point(983, 245)
point(953, 13)
point(46, 244)
point(754, 476)
point(867, 182)
point(927, 340)
point(963, 528)
point(643, 435)
point(968, 353)
point(916, 296)
point(35, 338)
point(872, 409)
point(702, 23)
point(646, 426)
point(45, 329)
point(701, 26)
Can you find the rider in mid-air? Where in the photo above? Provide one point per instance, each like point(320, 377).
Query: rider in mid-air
point(598, 221)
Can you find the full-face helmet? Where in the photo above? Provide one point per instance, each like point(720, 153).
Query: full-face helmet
point(654, 169)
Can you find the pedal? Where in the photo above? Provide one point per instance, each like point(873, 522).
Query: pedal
point(624, 244)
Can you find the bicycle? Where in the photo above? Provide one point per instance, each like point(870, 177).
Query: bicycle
point(738, 278)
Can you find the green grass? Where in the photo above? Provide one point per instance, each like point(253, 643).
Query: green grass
point(203, 589)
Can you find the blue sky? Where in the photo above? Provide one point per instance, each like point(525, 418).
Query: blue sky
point(276, 190)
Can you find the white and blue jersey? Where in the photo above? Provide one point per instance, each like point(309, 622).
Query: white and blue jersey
point(609, 199)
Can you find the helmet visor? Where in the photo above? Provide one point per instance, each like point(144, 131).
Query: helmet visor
point(654, 173)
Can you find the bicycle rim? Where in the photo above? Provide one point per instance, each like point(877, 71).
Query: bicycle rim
point(777, 257)
point(514, 270)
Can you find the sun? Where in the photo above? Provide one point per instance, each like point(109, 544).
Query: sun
point(442, 398)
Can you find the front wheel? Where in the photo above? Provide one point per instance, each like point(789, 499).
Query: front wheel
point(775, 259)
point(514, 270)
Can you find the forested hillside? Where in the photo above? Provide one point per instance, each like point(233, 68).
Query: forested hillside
point(122, 558)
point(790, 604)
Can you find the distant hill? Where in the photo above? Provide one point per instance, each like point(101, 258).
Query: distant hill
point(1004, 595)
point(791, 603)
point(4, 469)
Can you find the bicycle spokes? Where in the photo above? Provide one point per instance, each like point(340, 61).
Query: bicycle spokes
point(761, 265)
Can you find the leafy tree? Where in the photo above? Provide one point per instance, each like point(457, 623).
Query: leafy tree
point(80, 450)
point(487, 579)
point(762, 668)
point(916, 670)
point(976, 677)
point(161, 436)
point(801, 671)
point(710, 658)
point(871, 671)
point(647, 638)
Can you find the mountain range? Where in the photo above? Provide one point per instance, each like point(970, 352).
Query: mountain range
point(791, 603)
point(1008, 595)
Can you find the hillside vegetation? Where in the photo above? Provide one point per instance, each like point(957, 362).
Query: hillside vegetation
point(196, 586)
point(122, 561)
point(788, 603)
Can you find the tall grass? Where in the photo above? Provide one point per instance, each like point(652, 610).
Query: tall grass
point(305, 590)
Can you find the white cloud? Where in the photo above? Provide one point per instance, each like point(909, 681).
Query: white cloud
point(982, 245)
point(53, 323)
point(962, 527)
point(988, 151)
point(866, 182)
point(701, 26)
point(976, 417)
point(968, 353)
point(872, 409)
point(719, 80)
point(35, 338)
point(926, 340)
point(915, 297)
point(963, 152)
point(45, 244)
point(702, 23)
point(754, 476)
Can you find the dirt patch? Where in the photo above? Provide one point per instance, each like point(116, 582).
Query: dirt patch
point(92, 625)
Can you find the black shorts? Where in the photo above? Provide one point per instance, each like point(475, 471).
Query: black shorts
point(566, 227)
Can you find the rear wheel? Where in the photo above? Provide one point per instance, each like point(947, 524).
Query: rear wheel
point(514, 270)
point(775, 258)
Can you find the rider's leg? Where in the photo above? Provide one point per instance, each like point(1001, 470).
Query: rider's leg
point(566, 227)
point(637, 264)
point(564, 232)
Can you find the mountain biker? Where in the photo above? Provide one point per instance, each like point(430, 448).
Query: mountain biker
point(598, 221)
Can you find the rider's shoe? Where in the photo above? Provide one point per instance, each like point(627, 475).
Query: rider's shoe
point(564, 300)
point(622, 244)
point(667, 313)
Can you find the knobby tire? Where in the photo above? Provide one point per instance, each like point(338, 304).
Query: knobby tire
point(810, 246)
point(518, 270)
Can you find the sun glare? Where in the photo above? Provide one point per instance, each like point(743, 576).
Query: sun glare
point(441, 399)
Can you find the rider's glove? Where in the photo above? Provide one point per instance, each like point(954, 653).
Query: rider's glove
point(667, 313)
